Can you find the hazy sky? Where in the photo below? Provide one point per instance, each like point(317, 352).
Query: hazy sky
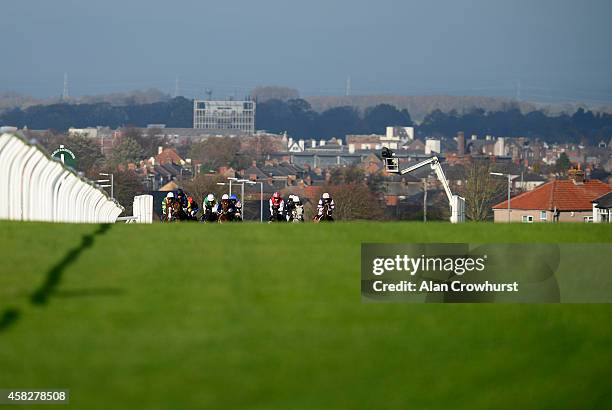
point(558, 48)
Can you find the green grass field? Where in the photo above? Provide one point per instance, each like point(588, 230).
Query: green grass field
point(191, 316)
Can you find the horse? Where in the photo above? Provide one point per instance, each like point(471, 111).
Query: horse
point(226, 215)
point(170, 215)
point(297, 214)
point(175, 212)
point(276, 216)
point(325, 215)
point(209, 216)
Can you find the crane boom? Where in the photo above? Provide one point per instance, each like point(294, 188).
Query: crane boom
point(457, 203)
point(434, 162)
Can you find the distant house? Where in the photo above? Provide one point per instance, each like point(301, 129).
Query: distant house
point(556, 201)
point(364, 142)
point(602, 209)
point(529, 182)
point(414, 146)
point(168, 156)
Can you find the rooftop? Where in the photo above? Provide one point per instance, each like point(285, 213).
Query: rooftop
point(562, 195)
point(604, 201)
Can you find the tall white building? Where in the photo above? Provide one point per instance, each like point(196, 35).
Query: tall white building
point(405, 134)
point(432, 146)
point(224, 116)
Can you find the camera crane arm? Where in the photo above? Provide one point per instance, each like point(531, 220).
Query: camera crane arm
point(457, 203)
point(434, 163)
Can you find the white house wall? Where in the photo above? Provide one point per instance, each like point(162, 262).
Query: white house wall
point(36, 187)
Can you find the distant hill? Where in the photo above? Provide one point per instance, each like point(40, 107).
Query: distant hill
point(417, 106)
point(10, 100)
point(420, 106)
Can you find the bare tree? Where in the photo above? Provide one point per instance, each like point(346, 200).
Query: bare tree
point(215, 152)
point(203, 185)
point(354, 201)
point(481, 189)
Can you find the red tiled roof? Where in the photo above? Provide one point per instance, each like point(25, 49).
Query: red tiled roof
point(168, 155)
point(561, 195)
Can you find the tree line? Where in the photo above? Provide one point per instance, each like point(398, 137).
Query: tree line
point(298, 119)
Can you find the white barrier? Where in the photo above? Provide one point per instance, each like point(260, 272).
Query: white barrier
point(36, 187)
point(143, 209)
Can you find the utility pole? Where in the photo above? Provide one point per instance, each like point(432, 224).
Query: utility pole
point(500, 174)
point(424, 199)
point(509, 186)
point(348, 86)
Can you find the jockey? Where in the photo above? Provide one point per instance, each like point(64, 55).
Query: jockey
point(166, 203)
point(236, 205)
point(276, 206)
point(192, 207)
point(289, 207)
point(209, 208)
point(295, 209)
point(225, 198)
point(325, 199)
point(182, 198)
point(210, 202)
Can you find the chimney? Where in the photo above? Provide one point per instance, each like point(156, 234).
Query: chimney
point(160, 149)
point(321, 143)
point(289, 142)
point(460, 143)
point(576, 175)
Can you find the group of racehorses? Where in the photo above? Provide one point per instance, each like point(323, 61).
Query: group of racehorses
point(227, 213)
point(176, 213)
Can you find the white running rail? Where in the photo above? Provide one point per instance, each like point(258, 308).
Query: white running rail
point(36, 187)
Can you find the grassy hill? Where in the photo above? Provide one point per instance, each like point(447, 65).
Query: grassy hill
point(270, 316)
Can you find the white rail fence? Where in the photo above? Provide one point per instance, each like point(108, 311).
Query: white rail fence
point(36, 187)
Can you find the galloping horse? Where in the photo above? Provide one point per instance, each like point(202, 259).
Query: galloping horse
point(325, 215)
point(225, 215)
point(276, 216)
point(209, 216)
point(175, 213)
point(297, 214)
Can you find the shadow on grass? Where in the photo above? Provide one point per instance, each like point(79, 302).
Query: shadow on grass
point(9, 317)
point(53, 277)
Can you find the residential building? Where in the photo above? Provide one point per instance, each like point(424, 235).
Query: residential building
point(602, 209)
point(556, 201)
point(364, 142)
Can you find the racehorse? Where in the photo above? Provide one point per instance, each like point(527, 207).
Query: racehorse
point(175, 212)
point(226, 215)
point(297, 214)
point(325, 215)
point(276, 216)
point(209, 216)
